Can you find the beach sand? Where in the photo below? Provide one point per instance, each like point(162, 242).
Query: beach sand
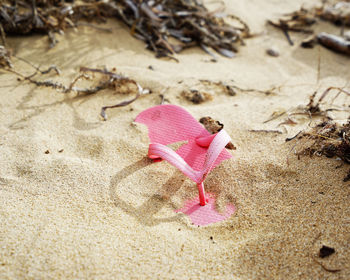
point(80, 200)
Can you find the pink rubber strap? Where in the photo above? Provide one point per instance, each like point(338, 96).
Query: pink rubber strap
point(218, 143)
point(205, 141)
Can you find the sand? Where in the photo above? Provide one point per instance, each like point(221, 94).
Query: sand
point(94, 207)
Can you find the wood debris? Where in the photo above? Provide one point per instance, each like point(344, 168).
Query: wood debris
point(213, 127)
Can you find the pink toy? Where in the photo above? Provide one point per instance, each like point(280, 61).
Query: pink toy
point(203, 151)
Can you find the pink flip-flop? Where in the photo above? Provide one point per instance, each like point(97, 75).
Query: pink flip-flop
point(203, 151)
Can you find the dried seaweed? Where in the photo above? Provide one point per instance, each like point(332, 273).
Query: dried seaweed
point(298, 21)
point(166, 26)
point(232, 89)
point(208, 87)
point(107, 80)
point(265, 131)
point(328, 139)
point(312, 109)
point(337, 12)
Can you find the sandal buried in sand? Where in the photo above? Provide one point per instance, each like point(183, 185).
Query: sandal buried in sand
point(203, 151)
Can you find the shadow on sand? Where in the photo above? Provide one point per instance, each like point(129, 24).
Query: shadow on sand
point(146, 212)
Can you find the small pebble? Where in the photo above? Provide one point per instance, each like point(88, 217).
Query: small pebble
point(273, 52)
point(326, 251)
